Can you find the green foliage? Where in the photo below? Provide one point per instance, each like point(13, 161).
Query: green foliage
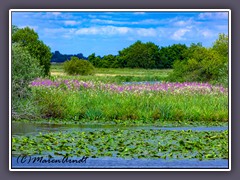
point(221, 45)
point(109, 61)
point(170, 54)
point(203, 64)
point(126, 143)
point(29, 39)
point(76, 66)
point(148, 107)
point(139, 55)
point(14, 29)
point(25, 68)
point(96, 61)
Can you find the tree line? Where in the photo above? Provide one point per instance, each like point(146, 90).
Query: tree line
point(141, 55)
point(60, 58)
point(189, 63)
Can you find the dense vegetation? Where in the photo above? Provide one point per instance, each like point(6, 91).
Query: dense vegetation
point(30, 59)
point(204, 64)
point(24, 69)
point(76, 66)
point(141, 55)
point(29, 39)
point(152, 144)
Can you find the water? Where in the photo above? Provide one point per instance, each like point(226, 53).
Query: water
point(125, 163)
point(34, 129)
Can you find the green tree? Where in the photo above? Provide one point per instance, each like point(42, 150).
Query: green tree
point(29, 39)
point(95, 60)
point(221, 45)
point(91, 58)
point(170, 54)
point(14, 29)
point(109, 61)
point(140, 55)
point(203, 64)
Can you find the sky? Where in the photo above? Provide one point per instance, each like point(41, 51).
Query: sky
point(106, 33)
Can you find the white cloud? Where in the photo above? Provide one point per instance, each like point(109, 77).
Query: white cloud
point(146, 32)
point(139, 13)
point(180, 23)
point(213, 15)
point(71, 23)
point(207, 33)
point(92, 16)
point(105, 16)
point(184, 22)
point(142, 22)
point(149, 21)
point(178, 35)
point(104, 30)
point(102, 21)
point(56, 13)
point(56, 32)
point(113, 30)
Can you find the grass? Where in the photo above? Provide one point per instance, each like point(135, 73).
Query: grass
point(149, 107)
point(117, 75)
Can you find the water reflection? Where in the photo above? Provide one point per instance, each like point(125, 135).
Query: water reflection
point(33, 129)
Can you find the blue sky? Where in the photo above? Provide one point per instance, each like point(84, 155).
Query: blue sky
point(106, 33)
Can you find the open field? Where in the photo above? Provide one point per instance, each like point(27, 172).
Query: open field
point(115, 75)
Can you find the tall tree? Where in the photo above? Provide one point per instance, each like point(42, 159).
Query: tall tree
point(29, 39)
point(140, 55)
point(221, 45)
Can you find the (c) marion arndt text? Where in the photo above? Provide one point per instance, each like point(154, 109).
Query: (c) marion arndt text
point(29, 159)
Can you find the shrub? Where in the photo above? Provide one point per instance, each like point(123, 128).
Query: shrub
point(76, 66)
point(25, 68)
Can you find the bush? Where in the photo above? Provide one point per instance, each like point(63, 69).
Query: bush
point(76, 66)
point(25, 68)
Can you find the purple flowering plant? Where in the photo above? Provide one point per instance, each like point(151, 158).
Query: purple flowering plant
point(174, 88)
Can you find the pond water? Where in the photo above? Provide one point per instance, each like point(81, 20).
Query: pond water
point(126, 163)
point(112, 162)
point(34, 129)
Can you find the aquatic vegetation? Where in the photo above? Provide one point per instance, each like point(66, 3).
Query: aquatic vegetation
point(126, 144)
